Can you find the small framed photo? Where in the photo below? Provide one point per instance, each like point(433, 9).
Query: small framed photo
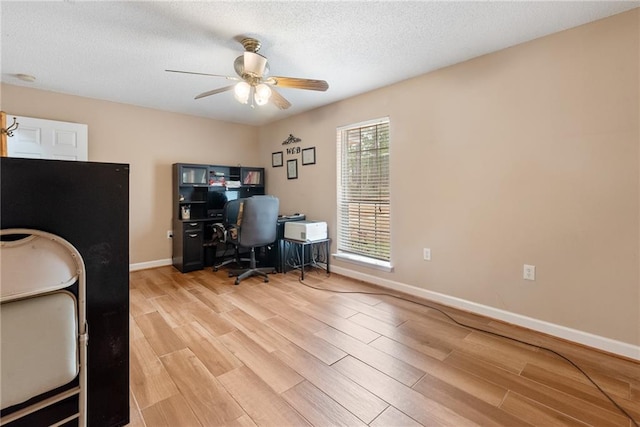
point(309, 156)
point(276, 159)
point(292, 169)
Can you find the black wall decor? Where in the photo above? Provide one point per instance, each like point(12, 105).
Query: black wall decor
point(309, 156)
point(292, 169)
point(291, 140)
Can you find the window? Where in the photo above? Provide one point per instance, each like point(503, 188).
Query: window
point(364, 207)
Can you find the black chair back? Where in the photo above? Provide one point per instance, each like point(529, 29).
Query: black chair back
point(259, 221)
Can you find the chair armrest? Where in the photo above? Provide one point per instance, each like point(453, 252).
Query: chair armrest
point(233, 232)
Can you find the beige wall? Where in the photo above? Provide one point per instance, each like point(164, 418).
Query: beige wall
point(150, 141)
point(528, 155)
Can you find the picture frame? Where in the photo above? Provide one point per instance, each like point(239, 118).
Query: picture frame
point(292, 169)
point(309, 156)
point(276, 159)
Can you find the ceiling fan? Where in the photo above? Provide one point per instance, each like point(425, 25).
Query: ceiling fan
point(254, 84)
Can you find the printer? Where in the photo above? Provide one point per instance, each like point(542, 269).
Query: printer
point(305, 231)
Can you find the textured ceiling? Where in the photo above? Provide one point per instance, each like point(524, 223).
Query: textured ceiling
point(118, 51)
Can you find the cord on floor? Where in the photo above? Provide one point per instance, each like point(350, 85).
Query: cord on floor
point(474, 328)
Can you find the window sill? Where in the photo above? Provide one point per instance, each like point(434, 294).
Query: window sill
point(365, 261)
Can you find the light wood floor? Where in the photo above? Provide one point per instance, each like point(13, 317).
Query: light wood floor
point(206, 352)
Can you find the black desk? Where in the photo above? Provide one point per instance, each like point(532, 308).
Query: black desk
point(277, 256)
point(272, 255)
point(300, 254)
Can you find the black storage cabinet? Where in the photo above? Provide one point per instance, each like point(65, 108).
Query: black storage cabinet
point(86, 203)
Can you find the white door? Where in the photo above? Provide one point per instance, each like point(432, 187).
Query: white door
point(48, 139)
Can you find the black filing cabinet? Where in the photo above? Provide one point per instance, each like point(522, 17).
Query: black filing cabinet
point(192, 241)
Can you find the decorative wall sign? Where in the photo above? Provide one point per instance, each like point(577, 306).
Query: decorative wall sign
point(309, 156)
point(293, 150)
point(292, 139)
point(276, 159)
point(292, 169)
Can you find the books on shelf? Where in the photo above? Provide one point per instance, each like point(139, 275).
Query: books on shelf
point(222, 179)
point(217, 179)
point(252, 178)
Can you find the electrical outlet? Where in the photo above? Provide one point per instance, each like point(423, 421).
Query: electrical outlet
point(169, 234)
point(529, 272)
point(426, 254)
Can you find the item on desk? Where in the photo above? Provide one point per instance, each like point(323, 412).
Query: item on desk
point(306, 231)
point(295, 217)
point(185, 212)
point(234, 184)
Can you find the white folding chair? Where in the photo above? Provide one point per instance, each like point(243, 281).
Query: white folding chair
point(43, 341)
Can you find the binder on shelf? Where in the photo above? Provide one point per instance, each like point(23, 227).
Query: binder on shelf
point(252, 178)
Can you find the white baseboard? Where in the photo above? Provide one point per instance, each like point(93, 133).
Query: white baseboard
point(150, 264)
point(602, 343)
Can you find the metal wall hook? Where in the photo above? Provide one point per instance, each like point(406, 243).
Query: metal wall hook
point(9, 130)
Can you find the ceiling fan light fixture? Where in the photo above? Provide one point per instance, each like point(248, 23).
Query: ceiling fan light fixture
point(254, 64)
point(241, 91)
point(262, 94)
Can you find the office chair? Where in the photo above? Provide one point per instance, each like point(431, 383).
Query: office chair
point(44, 328)
point(257, 228)
point(230, 216)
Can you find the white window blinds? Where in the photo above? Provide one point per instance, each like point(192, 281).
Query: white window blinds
point(364, 208)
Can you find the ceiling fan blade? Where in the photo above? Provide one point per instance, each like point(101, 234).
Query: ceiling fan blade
point(202, 74)
point(279, 100)
point(297, 83)
point(213, 92)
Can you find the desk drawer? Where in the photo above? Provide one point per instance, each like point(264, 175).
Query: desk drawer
point(192, 227)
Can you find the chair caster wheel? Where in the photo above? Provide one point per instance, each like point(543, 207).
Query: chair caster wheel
point(215, 268)
point(266, 280)
point(237, 282)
